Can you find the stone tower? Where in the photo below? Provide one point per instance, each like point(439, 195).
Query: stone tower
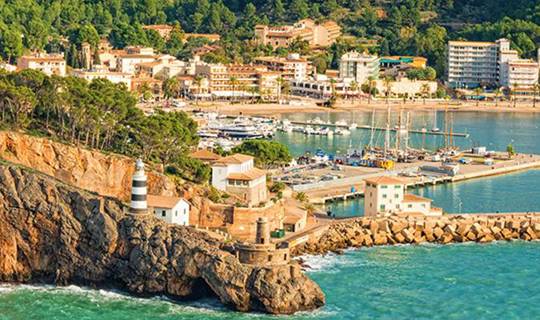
point(263, 231)
point(138, 190)
point(86, 53)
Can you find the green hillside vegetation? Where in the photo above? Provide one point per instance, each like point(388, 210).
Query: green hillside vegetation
point(98, 115)
point(406, 27)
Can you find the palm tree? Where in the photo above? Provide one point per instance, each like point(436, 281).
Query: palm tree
point(498, 92)
point(234, 82)
point(388, 87)
point(536, 87)
point(513, 92)
point(198, 82)
point(478, 91)
point(354, 89)
point(281, 82)
point(144, 91)
point(370, 81)
point(425, 91)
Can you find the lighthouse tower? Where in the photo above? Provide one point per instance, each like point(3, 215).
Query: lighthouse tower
point(138, 190)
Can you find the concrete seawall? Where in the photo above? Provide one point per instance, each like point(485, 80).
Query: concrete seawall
point(370, 231)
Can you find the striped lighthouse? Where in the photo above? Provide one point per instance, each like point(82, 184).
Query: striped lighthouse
point(138, 190)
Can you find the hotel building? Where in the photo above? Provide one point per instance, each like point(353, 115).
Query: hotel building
point(291, 67)
point(472, 64)
point(358, 67)
point(317, 35)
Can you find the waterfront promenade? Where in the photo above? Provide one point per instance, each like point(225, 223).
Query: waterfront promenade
point(340, 189)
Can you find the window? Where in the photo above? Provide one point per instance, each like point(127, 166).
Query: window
point(396, 195)
point(409, 206)
point(384, 187)
point(176, 213)
point(397, 186)
point(423, 205)
point(384, 196)
point(163, 213)
point(383, 207)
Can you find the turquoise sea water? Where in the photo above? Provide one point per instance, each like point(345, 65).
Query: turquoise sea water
point(463, 281)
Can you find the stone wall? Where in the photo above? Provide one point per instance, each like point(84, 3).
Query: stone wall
point(365, 232)
point(244, 224)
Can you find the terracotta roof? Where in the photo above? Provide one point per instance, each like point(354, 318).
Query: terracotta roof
point(204, 154)
point(162, 201)
point(408, 197)
point(384, 180)
point(249, 175)
point(237, 158)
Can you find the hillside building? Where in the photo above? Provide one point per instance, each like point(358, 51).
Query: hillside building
point(317, 35)
point(101, 72)
point(238, 176)
point(170, 209)
point(49, 64)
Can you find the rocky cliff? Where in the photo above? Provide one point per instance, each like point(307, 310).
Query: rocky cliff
point(55, 233)
point(106, 174)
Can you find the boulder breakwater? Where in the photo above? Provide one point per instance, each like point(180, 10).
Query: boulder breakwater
point(392, 230)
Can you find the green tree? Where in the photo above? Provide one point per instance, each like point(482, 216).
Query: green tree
point(11, 45)
point(267, 153)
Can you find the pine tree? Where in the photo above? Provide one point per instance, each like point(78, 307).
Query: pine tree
point(279, 11)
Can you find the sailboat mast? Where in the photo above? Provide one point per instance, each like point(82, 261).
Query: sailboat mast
point(387, 133)
point(372, 128)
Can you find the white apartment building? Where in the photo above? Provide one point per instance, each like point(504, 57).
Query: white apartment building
point(321, 87)
point(519, 73)
point(50, 64)
point(170, 209)
point(101, 72)
point(358, 66)
point(386, 195)
point(472, 64)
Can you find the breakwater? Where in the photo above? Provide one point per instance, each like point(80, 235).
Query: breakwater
point(392, 230)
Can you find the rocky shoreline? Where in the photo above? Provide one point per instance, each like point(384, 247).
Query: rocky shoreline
point(374, 231)
point(54, 233)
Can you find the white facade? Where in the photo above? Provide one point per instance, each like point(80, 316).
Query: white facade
point(128, 63)
point(386, 195)
point(405, 86)
point(50, 64)
point(223, 168)
point(172, 210)
point(358, 66)
point(472, 64)
point(522, 73)
point(322, 87)
point(383, 195)
point(114, 77)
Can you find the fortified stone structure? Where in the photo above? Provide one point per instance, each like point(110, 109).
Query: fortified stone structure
point(263, 251)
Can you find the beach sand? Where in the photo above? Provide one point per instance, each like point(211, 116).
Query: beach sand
point(275, 109)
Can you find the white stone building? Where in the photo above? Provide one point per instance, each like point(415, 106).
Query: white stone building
point(103, 73)
point(358, 66)
point(50, 64)
point(237, 175)
point(170, 209)
point(291, 67)
point(386, 195)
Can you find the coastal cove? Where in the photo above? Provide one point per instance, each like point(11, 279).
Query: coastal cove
point(381, 282)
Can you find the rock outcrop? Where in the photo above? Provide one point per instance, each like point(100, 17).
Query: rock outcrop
point(106, 174)
point(370, 231)
point(55, 233)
